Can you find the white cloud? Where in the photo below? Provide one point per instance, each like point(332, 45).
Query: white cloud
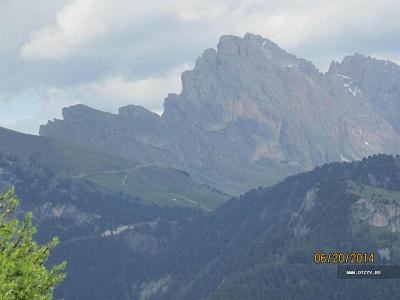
point(74, 24)
point(82, 22)
point(290, 23)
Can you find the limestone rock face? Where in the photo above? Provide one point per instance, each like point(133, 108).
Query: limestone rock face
point(250, 113)
point(378, 213)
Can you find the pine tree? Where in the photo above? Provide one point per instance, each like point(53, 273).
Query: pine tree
point(23, 274)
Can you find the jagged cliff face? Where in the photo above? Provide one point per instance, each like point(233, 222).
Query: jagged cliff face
point(248, 109)
point(250, 88)
point(301, 114)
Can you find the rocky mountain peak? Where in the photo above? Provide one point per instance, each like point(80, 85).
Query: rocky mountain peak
point(136, 112)
point(361, 67)
point(82, 112)
point(235, 80)
point(250, 45)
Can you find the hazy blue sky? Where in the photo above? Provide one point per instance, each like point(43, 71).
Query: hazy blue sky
point(110, 53)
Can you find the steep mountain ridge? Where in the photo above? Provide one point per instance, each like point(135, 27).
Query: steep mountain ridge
point(248, 109)
point(379, 81)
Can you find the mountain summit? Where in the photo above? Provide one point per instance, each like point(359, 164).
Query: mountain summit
point(249, 114)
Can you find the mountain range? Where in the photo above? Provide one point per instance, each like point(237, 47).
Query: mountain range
point(250, 114)
point(230, 192)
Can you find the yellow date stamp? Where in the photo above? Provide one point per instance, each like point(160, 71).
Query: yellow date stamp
point(344, 258)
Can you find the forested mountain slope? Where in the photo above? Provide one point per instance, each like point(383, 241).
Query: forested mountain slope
point(262, 245)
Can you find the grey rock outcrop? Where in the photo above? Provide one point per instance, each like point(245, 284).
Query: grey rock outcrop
point(377, 213)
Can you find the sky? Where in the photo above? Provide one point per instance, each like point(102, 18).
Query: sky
point(111, 53)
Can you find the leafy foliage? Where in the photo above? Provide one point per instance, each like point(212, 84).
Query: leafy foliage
point(23, 274)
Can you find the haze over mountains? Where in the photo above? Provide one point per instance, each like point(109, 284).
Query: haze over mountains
point(249, 114)
point(141, 202)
